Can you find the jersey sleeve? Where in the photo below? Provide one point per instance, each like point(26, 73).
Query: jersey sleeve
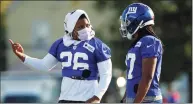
point(103, 52)
point(151, 47)
point(53, 48)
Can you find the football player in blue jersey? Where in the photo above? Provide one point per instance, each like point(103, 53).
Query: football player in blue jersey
point(84, 58)
point(144, 57)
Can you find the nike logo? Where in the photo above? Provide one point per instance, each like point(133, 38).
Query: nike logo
point(149, 46)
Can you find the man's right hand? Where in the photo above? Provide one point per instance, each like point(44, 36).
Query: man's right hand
point(18, 50)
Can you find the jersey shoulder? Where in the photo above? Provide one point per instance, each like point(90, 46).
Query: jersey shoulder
point(58, 41)
point(149, 39)
point(102, 51)
point(151, 44)
point(54, 46)
point(98, 44)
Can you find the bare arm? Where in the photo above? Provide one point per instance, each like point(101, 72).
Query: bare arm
point(148, 70)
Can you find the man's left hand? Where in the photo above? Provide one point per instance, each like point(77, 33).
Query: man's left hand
point(94, 99)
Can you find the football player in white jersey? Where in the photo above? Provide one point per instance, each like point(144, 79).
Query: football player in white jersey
point(84, 59)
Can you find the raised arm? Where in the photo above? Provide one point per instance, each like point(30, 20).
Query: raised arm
point(18, 50)
point(47, 63)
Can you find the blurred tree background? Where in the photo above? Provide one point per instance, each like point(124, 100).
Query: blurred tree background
point(4, 5)
point(173, 24)
point(2, 46)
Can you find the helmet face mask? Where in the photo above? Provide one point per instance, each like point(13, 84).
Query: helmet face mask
point(135, 16)
point(123, 29)
point(128, 29)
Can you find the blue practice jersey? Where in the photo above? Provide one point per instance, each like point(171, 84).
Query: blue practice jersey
point(146, 47)
point(84, 56)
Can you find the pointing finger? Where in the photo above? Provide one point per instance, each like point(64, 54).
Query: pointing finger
point(10, 41)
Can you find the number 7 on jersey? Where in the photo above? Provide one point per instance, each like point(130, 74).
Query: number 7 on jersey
point(131, 57)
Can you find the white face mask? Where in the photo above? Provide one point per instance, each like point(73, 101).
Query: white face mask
point(86, 34)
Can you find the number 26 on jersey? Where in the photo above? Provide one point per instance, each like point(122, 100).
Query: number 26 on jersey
point(74, 60)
